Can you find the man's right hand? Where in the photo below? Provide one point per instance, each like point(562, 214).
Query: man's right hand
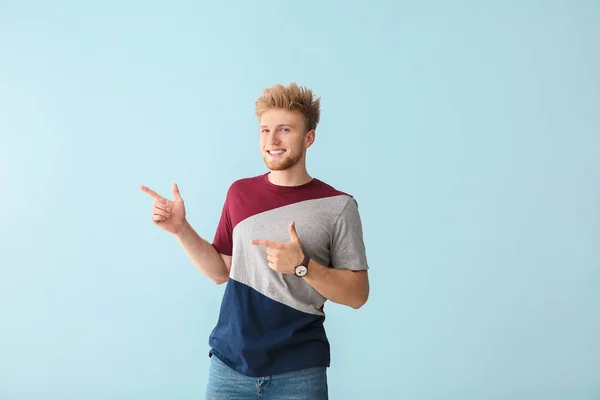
point(168, 215)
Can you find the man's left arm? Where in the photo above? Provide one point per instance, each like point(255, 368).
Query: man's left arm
point(347, 287)
point(346, 280)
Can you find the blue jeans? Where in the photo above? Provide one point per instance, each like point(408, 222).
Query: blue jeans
point(227, 384)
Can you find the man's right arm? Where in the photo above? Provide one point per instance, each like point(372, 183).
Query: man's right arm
point(203, 255)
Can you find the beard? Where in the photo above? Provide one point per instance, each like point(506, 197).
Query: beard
point(288, 160)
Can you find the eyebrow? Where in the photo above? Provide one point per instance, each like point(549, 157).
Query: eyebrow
point(278, 126)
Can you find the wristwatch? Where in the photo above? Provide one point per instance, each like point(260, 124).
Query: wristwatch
point(302, 269)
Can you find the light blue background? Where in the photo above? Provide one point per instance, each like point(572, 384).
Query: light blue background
point(469, 132)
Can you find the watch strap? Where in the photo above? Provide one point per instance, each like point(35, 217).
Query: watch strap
point(305, 261)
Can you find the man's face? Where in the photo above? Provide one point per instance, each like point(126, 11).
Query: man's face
point(283, 138)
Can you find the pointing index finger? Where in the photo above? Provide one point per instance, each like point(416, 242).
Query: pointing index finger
point(152, 193)
point(267, 243)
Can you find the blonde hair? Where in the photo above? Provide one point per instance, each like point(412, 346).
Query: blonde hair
point(291, 97)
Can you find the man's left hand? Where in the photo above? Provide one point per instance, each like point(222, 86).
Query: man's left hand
point(283, 257)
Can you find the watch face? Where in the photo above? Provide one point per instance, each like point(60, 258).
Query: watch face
point(301, 270)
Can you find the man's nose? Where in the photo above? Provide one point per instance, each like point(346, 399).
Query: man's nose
point(272, 138)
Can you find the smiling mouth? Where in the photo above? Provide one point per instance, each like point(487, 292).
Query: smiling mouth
point(275, 152)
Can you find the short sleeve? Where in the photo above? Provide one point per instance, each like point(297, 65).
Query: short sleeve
point(347, 247)
point(223, 240)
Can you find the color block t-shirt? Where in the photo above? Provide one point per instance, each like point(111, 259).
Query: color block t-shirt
point(272, 323)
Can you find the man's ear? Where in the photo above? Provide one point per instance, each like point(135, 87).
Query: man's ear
point(310, 138)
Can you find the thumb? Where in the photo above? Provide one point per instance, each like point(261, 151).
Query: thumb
point(175, 191)
point(293, 234)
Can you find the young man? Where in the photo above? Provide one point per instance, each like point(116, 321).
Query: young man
point(286, 242)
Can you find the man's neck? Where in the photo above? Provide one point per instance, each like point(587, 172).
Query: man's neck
point(289, 177)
